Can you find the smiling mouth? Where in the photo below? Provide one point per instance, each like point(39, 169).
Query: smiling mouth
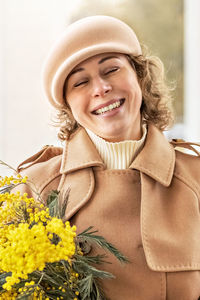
point(109, 107)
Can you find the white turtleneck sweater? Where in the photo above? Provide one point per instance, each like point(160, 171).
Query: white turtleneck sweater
point(118, 155)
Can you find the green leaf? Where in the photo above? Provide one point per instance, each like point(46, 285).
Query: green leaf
point(90, 237)
point(98, 259)
point(3, 278)
point(52, 203)
point(56, 207)
point(63, 204)
point(90, 289)
point(52, 196)
point(6, 188)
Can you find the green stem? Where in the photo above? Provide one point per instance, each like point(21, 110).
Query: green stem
point(7, 165)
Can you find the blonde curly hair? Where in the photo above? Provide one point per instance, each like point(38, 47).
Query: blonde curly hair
point(156, 97)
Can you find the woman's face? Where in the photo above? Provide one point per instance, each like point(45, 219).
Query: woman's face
point(105, 97)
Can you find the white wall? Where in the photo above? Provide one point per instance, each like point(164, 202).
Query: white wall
point(192, 70)
point(27, 29)
point(2, 68)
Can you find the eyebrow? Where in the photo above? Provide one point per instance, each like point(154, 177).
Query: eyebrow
point(106, 58)
point(99, 62)
point(74, 72)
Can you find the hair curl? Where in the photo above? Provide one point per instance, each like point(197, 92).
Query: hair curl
point(156, 97)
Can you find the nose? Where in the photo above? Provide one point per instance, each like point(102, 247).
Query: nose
point(100, 87)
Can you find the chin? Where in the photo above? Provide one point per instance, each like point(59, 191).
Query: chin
point(111, 137)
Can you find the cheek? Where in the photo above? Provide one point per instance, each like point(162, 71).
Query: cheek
point(133, 88)
point(135, 96)
point(80, 102)
point(73, 105)
point(139, 91)
point(136, 89)
point(73, 101)
point(75, 111)
point(77, 106)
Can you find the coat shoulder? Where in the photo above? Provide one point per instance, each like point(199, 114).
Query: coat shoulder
point(43, 167)
point(43, 156)
point(187, 164)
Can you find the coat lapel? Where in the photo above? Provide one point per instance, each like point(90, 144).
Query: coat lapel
point(80, 153)
point(79, 156)
point(157, 158)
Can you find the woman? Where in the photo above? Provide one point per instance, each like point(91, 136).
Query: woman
point(124, 177)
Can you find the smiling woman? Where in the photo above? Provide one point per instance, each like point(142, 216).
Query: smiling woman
point(124, 177)
point(105, 97)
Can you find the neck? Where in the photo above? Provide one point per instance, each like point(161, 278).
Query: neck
point(132, 133)
point(128, 136)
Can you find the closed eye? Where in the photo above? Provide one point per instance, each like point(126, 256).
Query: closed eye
point(80, 83)
point(112, 70)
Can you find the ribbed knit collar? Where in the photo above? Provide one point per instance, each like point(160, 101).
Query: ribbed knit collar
point(118, 155)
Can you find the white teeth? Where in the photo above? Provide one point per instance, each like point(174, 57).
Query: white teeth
point(106, 108)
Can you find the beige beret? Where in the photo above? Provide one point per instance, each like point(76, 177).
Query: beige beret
point(85, 38)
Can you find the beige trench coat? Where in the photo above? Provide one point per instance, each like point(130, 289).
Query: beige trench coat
point(170, 194)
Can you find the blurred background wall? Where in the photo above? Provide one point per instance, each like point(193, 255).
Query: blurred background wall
point(169, 28)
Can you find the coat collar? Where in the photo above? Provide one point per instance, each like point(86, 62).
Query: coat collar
point(156, 159)
point(80, 153)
